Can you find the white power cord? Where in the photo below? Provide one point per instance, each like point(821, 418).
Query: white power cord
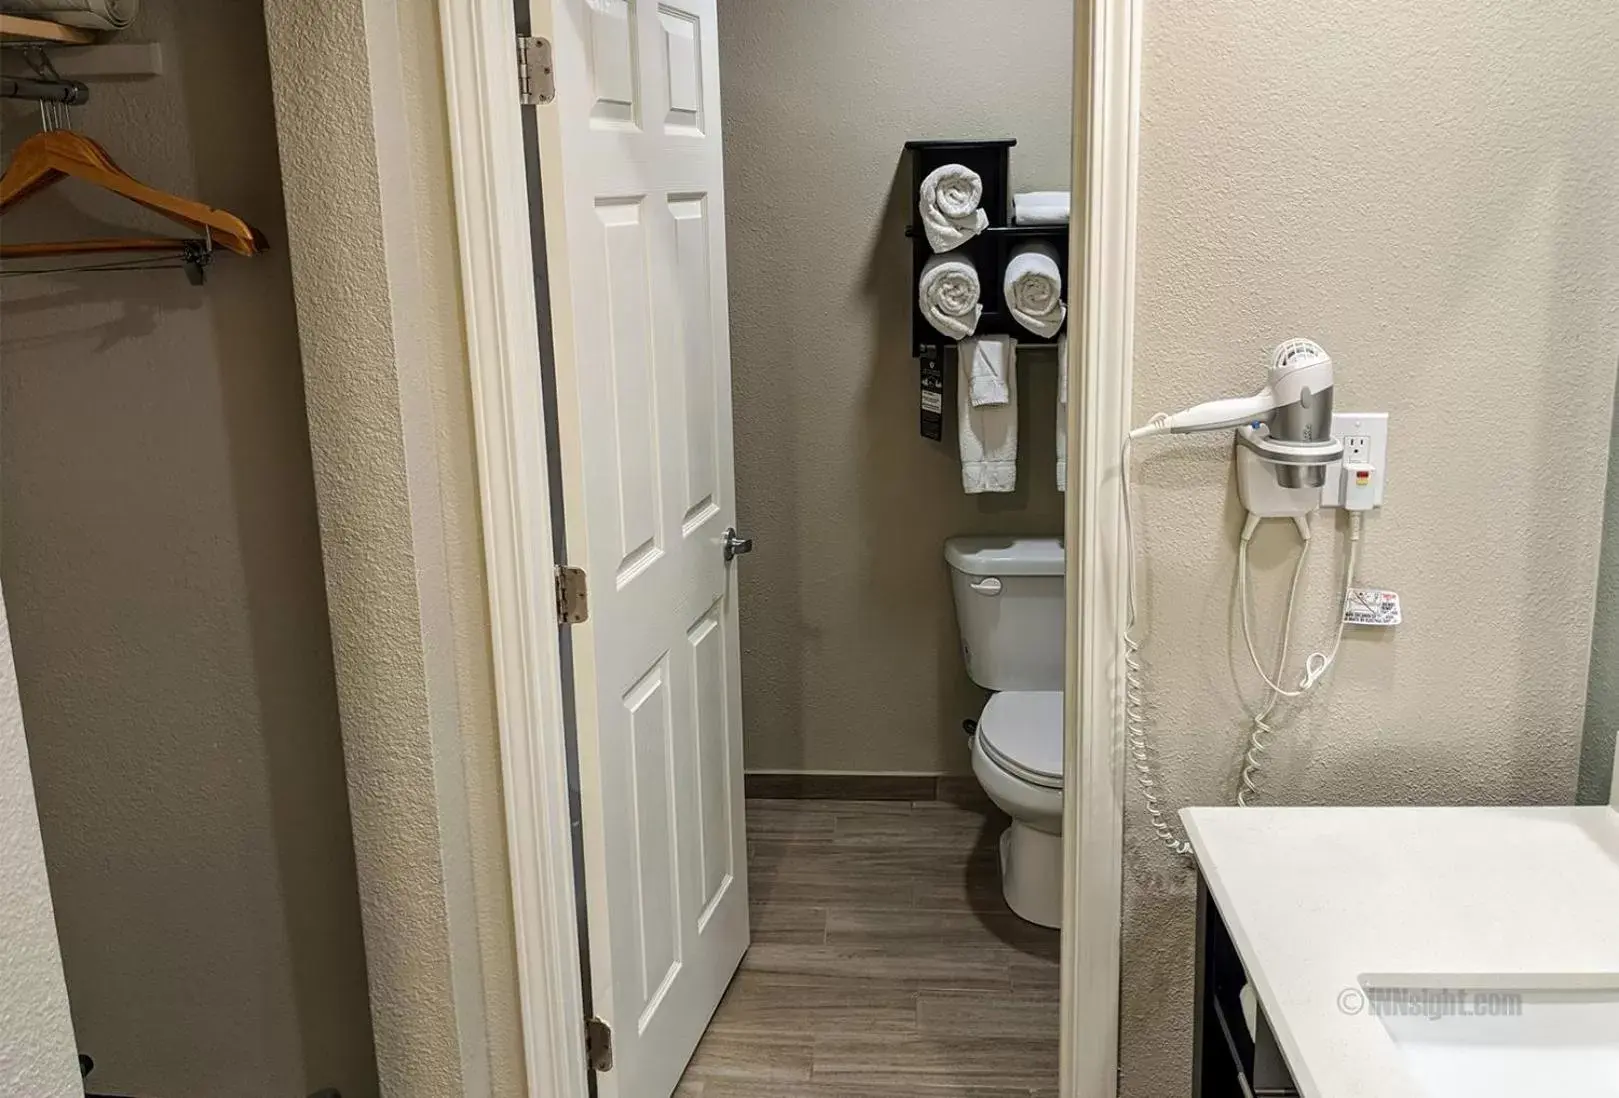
point(1137, 722)
point(1138, 728)
point(1319, 663)
point(1315, 667)
point(1277, 691)
point(1261, 731)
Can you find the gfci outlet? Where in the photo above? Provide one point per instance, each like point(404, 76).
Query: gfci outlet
point(1366, 442)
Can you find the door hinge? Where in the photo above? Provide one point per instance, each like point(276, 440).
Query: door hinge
point(536, 81)
point(599, 1044)
point(573, 595)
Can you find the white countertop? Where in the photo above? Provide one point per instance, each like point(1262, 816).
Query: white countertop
point(1317, 898)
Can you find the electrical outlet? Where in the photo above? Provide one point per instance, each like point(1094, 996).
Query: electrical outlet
point(1366, 442)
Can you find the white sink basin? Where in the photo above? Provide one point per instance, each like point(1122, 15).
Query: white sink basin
point(1504, 1037)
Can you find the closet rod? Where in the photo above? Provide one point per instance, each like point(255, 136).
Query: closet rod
point(67, 92)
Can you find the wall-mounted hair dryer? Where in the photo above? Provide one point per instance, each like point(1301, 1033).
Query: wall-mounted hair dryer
point(1283, 448)
point(1296, 406)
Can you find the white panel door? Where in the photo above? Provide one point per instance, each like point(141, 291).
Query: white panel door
point(632, 192)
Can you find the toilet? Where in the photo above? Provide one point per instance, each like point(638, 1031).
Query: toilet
point(1009, 606)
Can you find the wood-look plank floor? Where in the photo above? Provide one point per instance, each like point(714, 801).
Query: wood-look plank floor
point(885, 962)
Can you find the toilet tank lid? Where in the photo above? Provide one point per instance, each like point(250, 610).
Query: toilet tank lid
point(1005, 556)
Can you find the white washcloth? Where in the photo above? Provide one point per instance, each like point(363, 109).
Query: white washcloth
point(1062, 413)
point(105, 15)
point(986, 361)
point(1033, 288)
point(1041, 208)
point(948, 293)
point(949, 202)
point(988, 434)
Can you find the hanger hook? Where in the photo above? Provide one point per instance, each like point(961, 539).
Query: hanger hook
point(53, 114)
point(40, 62)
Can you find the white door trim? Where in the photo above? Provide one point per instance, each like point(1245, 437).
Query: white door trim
point(498, 285)
point(1102, 249)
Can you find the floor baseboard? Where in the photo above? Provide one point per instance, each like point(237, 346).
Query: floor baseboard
point(838, 786)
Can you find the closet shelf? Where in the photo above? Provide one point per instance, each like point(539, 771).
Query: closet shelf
point(25, 30)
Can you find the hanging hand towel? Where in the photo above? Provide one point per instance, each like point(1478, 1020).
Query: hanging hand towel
point(987, 433)
point(104, 15)
point(1033, 288)
point(949, 202)
point(1040, 208)
point(987, 360)
point(948, 293)
point(1062, 413)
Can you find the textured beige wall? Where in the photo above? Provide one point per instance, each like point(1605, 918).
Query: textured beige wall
point(849, 645)
point(1429, 191)
point(163, 566)
point(1599, 780)
point(365, 156)
point(36, 1026)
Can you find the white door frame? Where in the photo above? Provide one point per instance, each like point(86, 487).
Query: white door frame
point(498, 284)
point(1102, 250)
point(498, 290)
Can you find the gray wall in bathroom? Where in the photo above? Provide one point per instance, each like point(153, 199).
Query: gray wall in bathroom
point(1428, 189)
point(849, 645)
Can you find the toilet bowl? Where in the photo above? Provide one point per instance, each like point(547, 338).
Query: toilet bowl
point(1008, 594)
point(1017, 758)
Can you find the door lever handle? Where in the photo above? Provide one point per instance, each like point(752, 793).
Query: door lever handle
point(735, 544)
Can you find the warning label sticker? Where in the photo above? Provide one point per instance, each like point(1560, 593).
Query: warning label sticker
point(1371, 606)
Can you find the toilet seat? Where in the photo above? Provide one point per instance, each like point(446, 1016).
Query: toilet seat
point(1021, 732)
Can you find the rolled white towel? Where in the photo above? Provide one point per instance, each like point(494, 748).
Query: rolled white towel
point(1041, 208)
point(106, 15)
point(948, 294)
point(1033, 288)
point(949, 202)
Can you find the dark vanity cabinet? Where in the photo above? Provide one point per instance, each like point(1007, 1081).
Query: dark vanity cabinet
point(1230, 1059)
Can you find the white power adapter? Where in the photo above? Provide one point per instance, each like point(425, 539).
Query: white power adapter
point(1360, 484)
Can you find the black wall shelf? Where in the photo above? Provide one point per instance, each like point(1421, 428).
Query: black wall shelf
point(989, 251)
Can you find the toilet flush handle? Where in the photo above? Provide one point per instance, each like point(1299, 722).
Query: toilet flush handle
point(989, 585)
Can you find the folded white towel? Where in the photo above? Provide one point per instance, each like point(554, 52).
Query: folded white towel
point(1041, 208)
point(949, 202)
point(1033, 288)
point(948, 293)
point(105, 15)
point(986, 361)
point(988, 433)
point(1062, 413)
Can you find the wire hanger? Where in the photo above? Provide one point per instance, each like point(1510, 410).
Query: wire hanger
point(57, 153)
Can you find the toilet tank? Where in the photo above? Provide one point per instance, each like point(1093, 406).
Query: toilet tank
point(1009, 609)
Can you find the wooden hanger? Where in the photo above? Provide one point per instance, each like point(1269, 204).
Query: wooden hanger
point(46, 158)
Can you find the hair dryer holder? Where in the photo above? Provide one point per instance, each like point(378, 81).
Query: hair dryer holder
point(1258, 485)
